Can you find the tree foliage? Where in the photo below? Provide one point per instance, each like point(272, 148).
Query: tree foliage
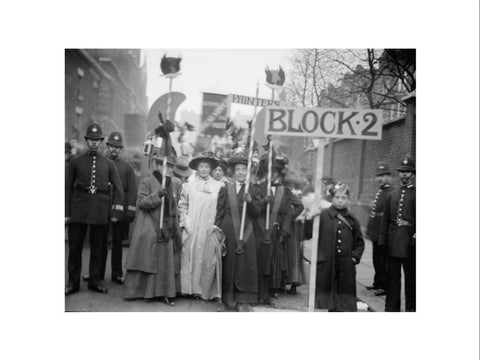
point(374, 78)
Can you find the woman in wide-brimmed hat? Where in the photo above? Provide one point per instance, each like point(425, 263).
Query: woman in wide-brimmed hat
point(197, 208)
point(240, 283)
point(152, 265)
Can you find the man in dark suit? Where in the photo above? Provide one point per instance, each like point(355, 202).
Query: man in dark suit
point(384, 179)
point(398, 235)
point(87, 205)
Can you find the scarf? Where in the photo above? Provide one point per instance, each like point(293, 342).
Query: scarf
point(171, 228)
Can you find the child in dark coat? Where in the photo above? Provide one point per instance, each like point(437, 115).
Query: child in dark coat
point(340, 247)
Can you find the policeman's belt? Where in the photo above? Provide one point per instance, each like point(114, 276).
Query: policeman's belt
point(402, 223)
point(375, 214)
point(91, 190)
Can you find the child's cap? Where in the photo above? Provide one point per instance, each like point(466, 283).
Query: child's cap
point(339, 186)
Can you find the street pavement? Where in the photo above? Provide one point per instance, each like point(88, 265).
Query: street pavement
point(87, 300)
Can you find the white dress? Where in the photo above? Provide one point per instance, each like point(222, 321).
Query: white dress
point(197, 210)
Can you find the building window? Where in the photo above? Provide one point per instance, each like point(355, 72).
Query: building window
point(78, 110)
point(80, 72)
point(95, 85)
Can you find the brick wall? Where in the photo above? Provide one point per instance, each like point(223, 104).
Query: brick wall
point(354, 163)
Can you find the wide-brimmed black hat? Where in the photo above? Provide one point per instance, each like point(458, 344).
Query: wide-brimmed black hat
point(94, 131)
point(407, 164)
point(203, 157)
point(382, 169)
point(239, 158)
point(115, 139)
point(181, 167)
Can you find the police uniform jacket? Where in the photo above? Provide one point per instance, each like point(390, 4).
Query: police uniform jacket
point(376, 212)
point(87, 199)
point(398, 222)
point(127, 175)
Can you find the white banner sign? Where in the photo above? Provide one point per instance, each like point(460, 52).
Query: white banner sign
point(324, 122)
point(250, 100)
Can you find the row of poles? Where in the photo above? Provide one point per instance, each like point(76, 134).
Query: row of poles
point(319, 166)
point(249, 165)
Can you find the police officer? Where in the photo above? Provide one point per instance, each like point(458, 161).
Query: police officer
point(398, 233)
point(120, 228)
point(384, 179)
point(87, 204)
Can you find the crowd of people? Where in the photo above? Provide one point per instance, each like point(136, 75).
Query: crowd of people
point(204, 232)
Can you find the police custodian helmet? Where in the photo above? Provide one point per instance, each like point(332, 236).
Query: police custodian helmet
point(407, 164)
point(115, 139)
point(94, 131)
point(382, 169)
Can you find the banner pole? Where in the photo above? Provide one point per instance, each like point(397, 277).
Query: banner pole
point(166, 147)
point(269, 174)
point(316, 227)
point(249, 168)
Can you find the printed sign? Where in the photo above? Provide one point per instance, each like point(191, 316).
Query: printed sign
point(214, 113)
point(324, 122)
point(250, 100)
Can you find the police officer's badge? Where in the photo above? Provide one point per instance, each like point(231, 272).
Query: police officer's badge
point(116, 137)
point(405, 162)
point(94, 129)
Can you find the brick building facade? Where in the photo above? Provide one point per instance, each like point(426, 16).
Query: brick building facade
point(107, 86)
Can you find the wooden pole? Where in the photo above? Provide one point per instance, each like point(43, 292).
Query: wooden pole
point(316, 227)
point(269, 174)
point(249, 168)
point(269, 182)
point(166, 145)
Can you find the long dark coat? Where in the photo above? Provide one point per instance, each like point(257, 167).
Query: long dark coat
point(153, 266)
point(142, 253)
point(400, 205)
point(239, 270)
point(336, 273)
point(273, 258)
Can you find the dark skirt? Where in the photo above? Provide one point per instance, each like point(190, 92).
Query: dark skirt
point(279, 263)
point(294, 253)
point(239, 271)
point(164, 282)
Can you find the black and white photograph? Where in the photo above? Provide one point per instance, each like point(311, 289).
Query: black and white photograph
point(192, 188)
point(239, 179)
